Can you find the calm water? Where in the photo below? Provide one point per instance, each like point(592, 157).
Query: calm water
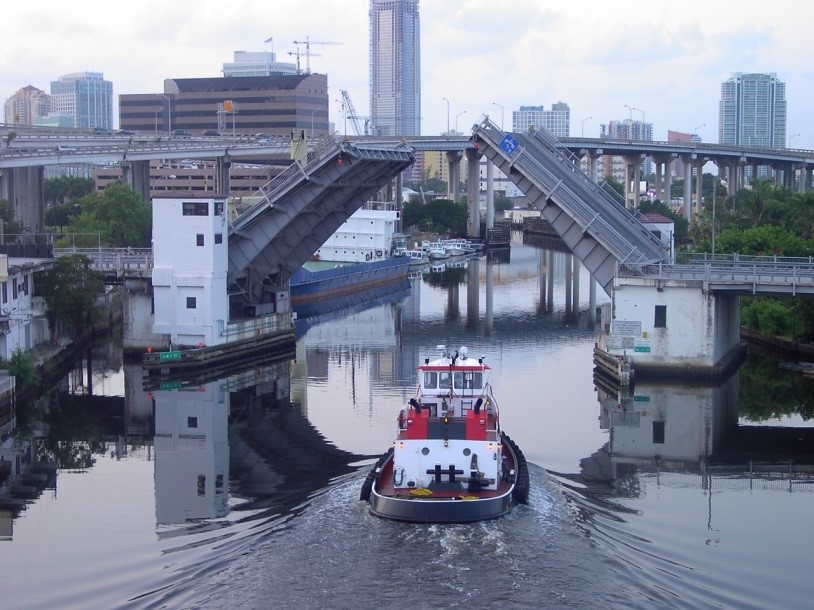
point(257, 507)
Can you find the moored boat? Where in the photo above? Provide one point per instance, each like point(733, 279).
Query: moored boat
point(451, 462)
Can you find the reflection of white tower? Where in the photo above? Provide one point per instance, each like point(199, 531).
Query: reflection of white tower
point(191, 454)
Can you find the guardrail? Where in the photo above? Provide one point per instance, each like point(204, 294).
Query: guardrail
point(736, 270)
point(113, 259)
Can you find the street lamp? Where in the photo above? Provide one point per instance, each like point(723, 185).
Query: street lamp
point(696, 128)
point(456, 119)
point(169, 112)
point(501, 114)
point(788, 142)
point(447, 101)
point(582, 132)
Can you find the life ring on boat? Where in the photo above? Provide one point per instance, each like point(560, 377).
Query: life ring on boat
point(379, 253)
point(367, 256)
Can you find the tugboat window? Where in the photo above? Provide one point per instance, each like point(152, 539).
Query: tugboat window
point(430, 380)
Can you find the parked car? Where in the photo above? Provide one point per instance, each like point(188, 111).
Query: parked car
point(211, 132)
point(180, 132)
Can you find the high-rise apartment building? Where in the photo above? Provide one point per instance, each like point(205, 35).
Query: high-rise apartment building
point(557, 120)
point(752, 111)
point(625, 130)
point(395, 68)
point(85, 96)
point(27, 105)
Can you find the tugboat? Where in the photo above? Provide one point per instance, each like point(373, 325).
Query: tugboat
point(451, 462)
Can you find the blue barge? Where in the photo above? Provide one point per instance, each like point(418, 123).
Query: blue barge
point(307, 285)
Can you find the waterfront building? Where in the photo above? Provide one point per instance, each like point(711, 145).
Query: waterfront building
point(246, 105)
point(23, 323)
point(557, 120)
point(395, 68)
point(85, 96)
point(26, 106)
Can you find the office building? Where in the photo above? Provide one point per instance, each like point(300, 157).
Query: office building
point(752, 111)
point(247, 105)
point(262, 63)
point(395, 68)
point(27, 106)
point(557, 120)
point(85, 96)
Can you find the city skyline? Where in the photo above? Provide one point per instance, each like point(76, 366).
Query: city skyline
point(666, 62)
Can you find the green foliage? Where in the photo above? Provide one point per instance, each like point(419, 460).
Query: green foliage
point(60, 215)
point(66, 189)
point(118, 215)
point(70, 288)
point(503, 203)
point(24, 368)
point(614, 185)
point(769, 317)
point(439, 215)
point(764, 241)
point(10, 226)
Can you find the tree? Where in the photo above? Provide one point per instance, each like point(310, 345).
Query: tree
point(60, 215)
point(118, 215)
point(10, 226)
point(66, 189)
point(70, 288)
point(439, 215)
point(503, 203)
point(24, 368)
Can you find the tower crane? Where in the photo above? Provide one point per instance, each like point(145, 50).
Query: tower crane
point(308, 42)
point(350, 114)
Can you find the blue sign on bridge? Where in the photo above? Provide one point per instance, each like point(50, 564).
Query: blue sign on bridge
point(509, 144)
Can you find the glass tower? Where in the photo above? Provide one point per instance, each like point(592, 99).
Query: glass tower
point(85, 96)
point(395, 68)
point(752, 111)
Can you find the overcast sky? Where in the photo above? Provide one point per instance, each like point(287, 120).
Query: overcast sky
point(665, 59)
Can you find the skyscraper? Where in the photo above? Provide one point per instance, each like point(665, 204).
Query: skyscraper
point(752, 111)
point(395, 68)
point(85, 96)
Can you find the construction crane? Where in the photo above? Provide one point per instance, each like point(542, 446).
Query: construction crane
point(308, 42)
point(350, 114)
point(308, 55)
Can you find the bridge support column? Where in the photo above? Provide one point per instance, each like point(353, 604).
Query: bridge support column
point(593, 164)
point(688, 159)
point(550, 281)
point(454, 173)
point(569, 274)
point(473, 191)
point(633, 168)
point(24, 188)
point(592, 301)
point(223, 182)
point(490, 194)
point(138, 176)
point(575, 291)
point(699, 184)
point(664, 177)
point(137, 319)
point(489, 298)
point(806, 179)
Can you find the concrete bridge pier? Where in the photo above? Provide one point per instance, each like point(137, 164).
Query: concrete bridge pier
point(24, 188)
point(664, 177)
point(569, 284)
point(489, 299)
point(593, 164)
point(473, 156)
point(699, 183)
point(550, 280)
point(592, 302)
point(633, 168)
point(806, 180)
point(454, 173)
point(688, 163)
point(137, 305)
point(137, 175)
point(223, 184)
point(575, 291)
